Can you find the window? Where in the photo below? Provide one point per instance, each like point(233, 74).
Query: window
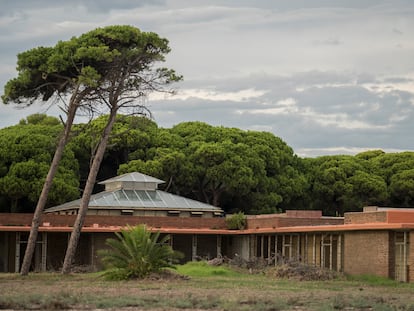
point(127, 212)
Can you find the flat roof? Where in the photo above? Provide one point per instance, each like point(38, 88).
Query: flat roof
point(177, 230)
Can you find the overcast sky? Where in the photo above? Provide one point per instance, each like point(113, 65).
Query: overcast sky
point(326, 76)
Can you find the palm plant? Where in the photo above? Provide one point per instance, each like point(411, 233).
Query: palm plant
point(136, 253)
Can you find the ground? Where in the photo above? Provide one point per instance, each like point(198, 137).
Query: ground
point(220, 290)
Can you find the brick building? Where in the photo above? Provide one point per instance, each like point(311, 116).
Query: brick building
point(375, 241)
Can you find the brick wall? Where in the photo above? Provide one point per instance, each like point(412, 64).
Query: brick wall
point(400, 216)
point(367, 252)
point(290, 221)
point(105, 221)
point(304, 214)
point(282, 220)
point(366, 217)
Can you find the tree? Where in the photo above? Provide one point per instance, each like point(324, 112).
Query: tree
point(131, 138)
point(402, 188)
point(331, 186)
point(70, 68)
point(129, 77)
point(136, 253)
point(238, 170)
point(26, 150)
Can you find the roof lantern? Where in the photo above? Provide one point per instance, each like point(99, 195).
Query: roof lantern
point(132, 181)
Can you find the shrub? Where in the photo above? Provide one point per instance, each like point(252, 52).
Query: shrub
point(136, 253)
point(303, 272)
point(236, 221)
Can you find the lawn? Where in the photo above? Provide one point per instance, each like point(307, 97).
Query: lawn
point(206, 288)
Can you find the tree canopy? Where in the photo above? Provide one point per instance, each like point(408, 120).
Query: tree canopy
point(26, 150)
point(247, 171)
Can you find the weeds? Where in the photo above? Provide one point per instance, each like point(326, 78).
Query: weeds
point(60, 301)
point(208, 288)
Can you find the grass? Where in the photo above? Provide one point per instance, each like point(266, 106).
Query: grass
point(209, 288)
point(203, 269)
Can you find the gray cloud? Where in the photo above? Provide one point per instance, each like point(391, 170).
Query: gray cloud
point(326, 76)
point(347, 116)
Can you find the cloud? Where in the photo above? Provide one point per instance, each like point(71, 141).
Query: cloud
point(342, 113)
point(322, 75)
point(213, 95)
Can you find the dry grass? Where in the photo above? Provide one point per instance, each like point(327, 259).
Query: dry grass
point(221, 291)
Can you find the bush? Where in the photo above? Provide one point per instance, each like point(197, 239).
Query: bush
point(302, 272)
point(236, 221)
point(136, 253)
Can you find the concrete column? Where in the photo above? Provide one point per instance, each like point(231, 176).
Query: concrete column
point(262, 246)
point(194, 248)
point(405, 257)
point(269, 248)
point(44, 252)
point(17, 255)
point(219, 255)
point(314, 250)
point(339, 253)
point(276, 252)
point(252, 242)
point(305, 257)
point(298, 247)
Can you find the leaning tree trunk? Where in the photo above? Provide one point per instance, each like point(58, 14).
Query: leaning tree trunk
point(31, 243)
point(83, 208)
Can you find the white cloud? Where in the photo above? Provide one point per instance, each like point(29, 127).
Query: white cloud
point(239, 96)
point(315, 152)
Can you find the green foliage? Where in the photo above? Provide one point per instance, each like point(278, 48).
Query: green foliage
point(402, 187)
point(253, 172)
point(136, 253)
point(40, 118)
point(236, 221)
point(237, 170)
point(26, 151)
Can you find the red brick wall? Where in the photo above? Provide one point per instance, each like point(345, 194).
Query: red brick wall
point(254, 222)
point(304, 214)
point(367, 252)
point(68, 220)
point(276, 221)
point(290, 222)
point(366, 217)
point(400, 216)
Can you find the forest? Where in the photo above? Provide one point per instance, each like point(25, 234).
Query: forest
point(249, 171)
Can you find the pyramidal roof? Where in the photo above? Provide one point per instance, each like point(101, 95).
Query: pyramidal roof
point(133, 177)
point(136, 190)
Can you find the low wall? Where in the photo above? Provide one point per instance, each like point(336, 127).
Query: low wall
point(106, 221)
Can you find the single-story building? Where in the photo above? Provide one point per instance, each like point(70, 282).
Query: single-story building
point(375, 241)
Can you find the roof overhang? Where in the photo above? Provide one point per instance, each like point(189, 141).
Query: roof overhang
point(299, 229)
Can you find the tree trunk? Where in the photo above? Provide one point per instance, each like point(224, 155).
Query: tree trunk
point(31, 243)
point(83, 208)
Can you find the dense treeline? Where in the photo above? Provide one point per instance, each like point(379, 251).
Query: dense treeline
point(254, 172)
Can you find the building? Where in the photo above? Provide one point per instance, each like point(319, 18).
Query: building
point(137, 194)
point(375, 241)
